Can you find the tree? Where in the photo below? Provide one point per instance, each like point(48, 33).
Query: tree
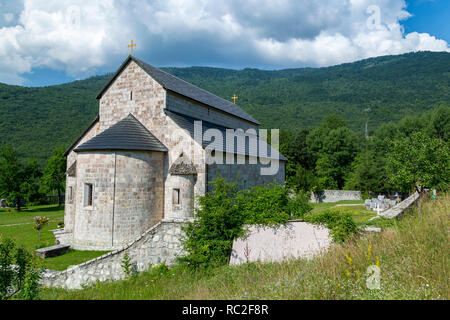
point(17, 181)
point(418, 162)
point(335, 158)
point(368, 173)
point(54, 177)
point(439, 124)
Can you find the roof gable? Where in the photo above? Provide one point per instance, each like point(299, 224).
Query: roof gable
point(127, 134)
point(177, 85)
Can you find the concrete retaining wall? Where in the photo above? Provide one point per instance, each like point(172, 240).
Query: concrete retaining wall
point(296, 239)
point(159, 244)
point(335, 196)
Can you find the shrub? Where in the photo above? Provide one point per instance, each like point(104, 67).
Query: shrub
point(299, 205)
point(222, 213)
point(265, 205)
point(341, 225)
point(219, 220)
point(19, 272)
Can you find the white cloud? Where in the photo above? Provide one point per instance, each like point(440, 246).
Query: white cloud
point(83, 37)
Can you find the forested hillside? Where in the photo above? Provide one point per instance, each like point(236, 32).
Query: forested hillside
point(383, 89)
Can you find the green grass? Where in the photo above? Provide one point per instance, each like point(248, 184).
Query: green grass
point(19, 227)
point(359, 213)
point(71, 258)
point(413, 258)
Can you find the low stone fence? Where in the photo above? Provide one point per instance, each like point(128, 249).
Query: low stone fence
point(296, 239)
point(159, 244)
point(398, 210)
point(335, 195)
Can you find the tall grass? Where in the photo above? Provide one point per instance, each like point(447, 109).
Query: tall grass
point(413, 257)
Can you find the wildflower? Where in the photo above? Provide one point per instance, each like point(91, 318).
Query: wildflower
point(377, 263)
point(369, 250)
point(349, 259)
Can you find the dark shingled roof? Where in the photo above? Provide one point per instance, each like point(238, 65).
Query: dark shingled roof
point(248, 149)
point(172, 83)
point(127, 134)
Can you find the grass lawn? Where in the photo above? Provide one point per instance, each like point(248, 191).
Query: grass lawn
point(412, 256)
point(19, 227)
point(356, 208)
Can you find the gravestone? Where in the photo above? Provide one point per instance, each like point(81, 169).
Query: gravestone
point(3, 203)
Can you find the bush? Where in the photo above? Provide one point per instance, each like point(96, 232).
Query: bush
point(222, 213)
point(19, 272)
point(341, 225)
point(219, 220)
point(299, 205)
point(265, 205)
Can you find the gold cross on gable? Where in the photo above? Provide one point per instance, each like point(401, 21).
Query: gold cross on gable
point(234, 97)
point(131, 46)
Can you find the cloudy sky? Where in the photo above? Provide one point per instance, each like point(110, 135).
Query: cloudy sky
point(55, 41)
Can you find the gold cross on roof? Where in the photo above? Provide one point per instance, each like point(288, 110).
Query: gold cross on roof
point(234, 97)
point(131, 46)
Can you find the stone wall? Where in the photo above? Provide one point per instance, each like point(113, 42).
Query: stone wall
point(159, 244)
point(127, 197)
point(335, 196)
point(246, 175)
point(71, 182)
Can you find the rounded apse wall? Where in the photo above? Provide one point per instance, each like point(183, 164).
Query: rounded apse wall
point(120, 195)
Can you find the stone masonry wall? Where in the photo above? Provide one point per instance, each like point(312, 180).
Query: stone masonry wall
point(246, 175)
point(159, 244)
point(127, 197)
point(71, 182)
point(147, 103)
point(335, 196)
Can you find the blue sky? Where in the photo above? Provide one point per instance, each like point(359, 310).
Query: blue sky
point(57, 41)
point(432, 17)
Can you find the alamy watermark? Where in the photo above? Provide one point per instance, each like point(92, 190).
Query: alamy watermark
point(235, 146)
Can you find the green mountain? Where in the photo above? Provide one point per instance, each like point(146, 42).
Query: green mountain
point(382, 89)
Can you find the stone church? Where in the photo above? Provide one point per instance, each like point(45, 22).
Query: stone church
point(143, 159)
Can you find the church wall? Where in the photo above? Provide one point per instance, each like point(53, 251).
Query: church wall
point(147, 104)
point(93, 224)
point(127, 197)
point(71, 182)
point(246, 175)
point(139, 194)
